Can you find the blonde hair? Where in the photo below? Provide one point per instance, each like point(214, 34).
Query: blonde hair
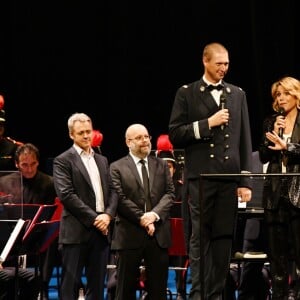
point(211, 48)
point(291, 85)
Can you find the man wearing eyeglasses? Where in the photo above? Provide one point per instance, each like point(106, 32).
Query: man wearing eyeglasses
point(142, 227)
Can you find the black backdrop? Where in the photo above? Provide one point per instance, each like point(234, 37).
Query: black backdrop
point(121, 62)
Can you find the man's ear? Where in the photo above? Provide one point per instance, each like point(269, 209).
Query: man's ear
point(71, 136)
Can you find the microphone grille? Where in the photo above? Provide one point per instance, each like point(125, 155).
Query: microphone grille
point(222, 98)
point(281, 111)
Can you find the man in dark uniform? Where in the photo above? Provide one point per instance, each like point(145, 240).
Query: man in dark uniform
point(8, 147)
point(210, 121)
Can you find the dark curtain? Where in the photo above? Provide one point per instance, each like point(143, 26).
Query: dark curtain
point(122, 62)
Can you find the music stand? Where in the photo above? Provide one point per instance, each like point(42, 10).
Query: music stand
point(38, 213)
point(14, 239)
point(13, 245)
point(38, 232)
point(37, 239)
point(201, 197)
point(39, 236)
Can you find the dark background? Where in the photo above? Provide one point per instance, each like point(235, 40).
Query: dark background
point(122, 62)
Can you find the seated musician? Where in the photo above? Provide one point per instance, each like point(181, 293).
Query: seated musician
point(28, 283)
point(38, 188)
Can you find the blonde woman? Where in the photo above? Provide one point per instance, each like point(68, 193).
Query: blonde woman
point(280, 148)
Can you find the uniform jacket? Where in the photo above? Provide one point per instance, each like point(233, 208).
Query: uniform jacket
point(74, 189)
point(217, 151)
point(128, 234)
point(7, 154)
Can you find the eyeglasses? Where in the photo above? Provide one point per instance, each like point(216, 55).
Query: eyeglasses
point(141, 137)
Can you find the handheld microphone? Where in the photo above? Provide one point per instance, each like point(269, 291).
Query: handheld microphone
point(222, 105)
point(281, 112)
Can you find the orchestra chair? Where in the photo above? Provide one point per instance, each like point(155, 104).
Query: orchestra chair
point(58, 211)
point(249, 242)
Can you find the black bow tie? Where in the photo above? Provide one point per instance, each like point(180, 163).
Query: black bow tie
point(214, 87)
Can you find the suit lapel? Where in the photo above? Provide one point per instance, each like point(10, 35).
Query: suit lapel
point(133, 168)
point(206, 97)
point(79, 164)
point(296, 130)
point(227, 91)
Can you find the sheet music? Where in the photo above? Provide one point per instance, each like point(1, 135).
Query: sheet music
point(12, 238)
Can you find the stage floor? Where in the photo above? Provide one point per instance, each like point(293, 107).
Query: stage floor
point(53, 294)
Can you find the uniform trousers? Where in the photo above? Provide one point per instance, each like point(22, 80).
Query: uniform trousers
point(213, 217)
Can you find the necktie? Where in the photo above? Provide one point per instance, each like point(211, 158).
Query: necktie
point(146, 185)
point(214, 87)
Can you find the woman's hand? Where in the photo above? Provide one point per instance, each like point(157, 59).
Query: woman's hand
point(279, 143)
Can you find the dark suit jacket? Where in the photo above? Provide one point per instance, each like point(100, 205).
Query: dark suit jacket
point(127, 232)
point(74, 189)
point(273, 185)
point(217, 151)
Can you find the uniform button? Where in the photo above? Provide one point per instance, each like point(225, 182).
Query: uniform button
point(226, 135)
point(212, 156)
point(226, 146)
point(226, 157)
point(212, 145)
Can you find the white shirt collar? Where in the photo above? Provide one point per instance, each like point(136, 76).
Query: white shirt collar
point(208, 82)
point(81, 152)
point(137, 159)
